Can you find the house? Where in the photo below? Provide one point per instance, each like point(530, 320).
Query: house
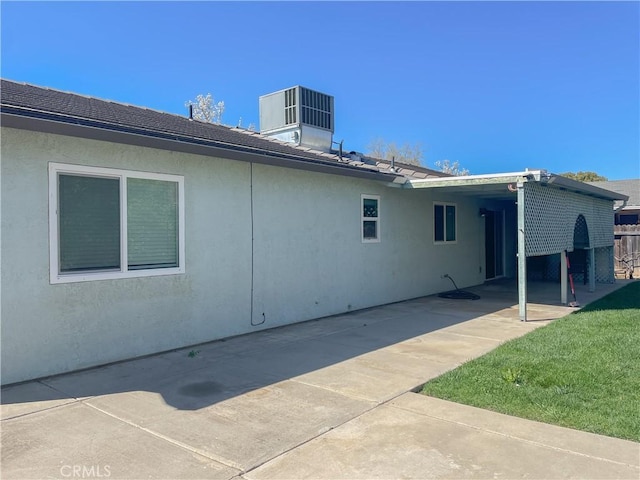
point(627, 212)
point(127, 231)
point(626, 226)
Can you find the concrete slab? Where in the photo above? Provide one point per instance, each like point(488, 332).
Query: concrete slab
point(244, 344)
point(259, 403)
point(138, 374)
point(246, 430)
point(18, 400)
point(495, 326)
point(303, 356)
point(77, 441)
point(390, 442)
point(608, 449)
point(374, 335)
point(183, 382)
point(367, 378)
point(145, 373)
point(444, 346)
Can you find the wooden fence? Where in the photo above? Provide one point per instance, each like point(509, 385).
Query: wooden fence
point(627, 251)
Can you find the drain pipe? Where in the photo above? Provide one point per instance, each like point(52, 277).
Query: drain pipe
point(622, 205)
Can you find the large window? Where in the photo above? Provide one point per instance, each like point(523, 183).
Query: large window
point(370, 218)
point(444, 222)
point(108, 223)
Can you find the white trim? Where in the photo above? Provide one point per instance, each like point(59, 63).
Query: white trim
point(501, 176)
point(124, 231)
point(56, 277)
point(364, 197)
point(53, 222)
point(541, 176)
point(445, 241)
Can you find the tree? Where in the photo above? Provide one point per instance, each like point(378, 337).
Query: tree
point(251, 127)
point(585, 176)
point(411, 155)
point(454, 168)
point(408, 154)
point(206, 110)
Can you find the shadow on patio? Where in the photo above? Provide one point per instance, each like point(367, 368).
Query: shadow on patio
point(394, 347)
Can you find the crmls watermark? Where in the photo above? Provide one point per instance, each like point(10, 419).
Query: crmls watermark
point(85, 471)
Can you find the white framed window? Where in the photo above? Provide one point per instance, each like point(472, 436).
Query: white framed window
point(370, 219)
point(444, 222)
point(106, 223)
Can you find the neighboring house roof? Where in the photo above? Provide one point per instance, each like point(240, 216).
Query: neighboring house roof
point(44, 109)
point(630, 188)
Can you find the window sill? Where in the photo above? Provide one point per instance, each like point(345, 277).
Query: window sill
point(96, 276)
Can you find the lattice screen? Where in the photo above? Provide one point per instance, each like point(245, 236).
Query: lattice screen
point(605, 272)
point(550, 218)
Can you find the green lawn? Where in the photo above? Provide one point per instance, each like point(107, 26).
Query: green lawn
point(581, 371)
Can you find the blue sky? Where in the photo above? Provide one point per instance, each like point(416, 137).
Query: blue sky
point(497, 86)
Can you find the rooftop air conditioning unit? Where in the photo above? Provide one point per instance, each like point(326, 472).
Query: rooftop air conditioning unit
point(298, 115)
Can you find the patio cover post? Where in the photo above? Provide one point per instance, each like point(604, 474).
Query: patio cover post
point(522, 257)
point(592, 270)
point(563, 277)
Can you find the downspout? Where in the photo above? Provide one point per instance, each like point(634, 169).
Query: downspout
point(622, 205)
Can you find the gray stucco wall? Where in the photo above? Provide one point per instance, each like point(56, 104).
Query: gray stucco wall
point(308, 258)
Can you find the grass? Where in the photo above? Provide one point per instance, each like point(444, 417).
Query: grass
point(581, 371)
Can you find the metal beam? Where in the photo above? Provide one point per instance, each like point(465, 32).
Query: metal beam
point(592, 270)
point(473, 180)
point(563, 277)
point(522, 257)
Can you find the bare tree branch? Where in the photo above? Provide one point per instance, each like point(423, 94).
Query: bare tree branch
point(205, 110)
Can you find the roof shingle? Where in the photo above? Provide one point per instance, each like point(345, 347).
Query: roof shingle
point(630, 187)
point(34, 100)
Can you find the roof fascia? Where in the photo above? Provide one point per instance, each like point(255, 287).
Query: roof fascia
point(540, 176)
point(584, 188)
point(474, 180)
point(165, 141)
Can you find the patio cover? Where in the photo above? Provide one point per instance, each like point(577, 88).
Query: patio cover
point(548, 208)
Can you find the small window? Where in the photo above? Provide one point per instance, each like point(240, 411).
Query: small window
point(114, 224)
point(628, 219)
point(444, 223)
point(370, 218)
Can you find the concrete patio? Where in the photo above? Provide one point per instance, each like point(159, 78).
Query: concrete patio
point(331, 398)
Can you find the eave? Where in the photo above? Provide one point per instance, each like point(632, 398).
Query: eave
point(46, 122)
point(497, 183)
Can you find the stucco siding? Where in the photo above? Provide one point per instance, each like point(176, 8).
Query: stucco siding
point(309, 257)
point(55, 328)
point(306, 259)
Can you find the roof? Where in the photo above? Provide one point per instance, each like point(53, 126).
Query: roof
point(54, 111)
point(500, 185)
point(630, 188)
